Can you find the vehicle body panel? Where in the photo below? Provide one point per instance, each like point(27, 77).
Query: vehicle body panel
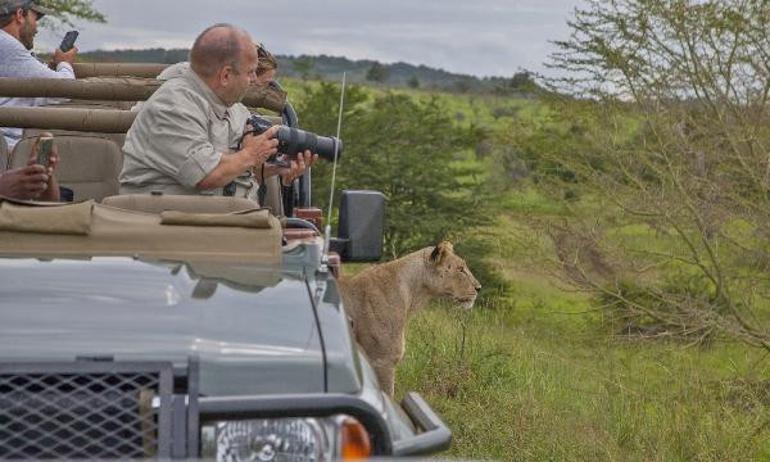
point(249, 340)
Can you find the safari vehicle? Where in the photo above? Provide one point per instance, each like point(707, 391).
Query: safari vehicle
point(152, 326)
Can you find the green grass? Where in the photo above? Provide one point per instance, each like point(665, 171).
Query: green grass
point(538, 376)
point(538, 383)
point(537, 373)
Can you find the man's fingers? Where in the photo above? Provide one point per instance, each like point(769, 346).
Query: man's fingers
point(35, 187)
point(36, 178)
point(33, 169)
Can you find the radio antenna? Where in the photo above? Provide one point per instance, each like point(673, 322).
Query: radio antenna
point(328, 229)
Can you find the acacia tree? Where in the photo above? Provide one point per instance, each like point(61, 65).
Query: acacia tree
point(678, 104)
point(66, 11)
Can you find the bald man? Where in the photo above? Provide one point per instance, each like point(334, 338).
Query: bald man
point(188, 138)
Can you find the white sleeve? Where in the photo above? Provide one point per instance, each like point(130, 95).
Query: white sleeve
point(23, 65)
point(29, 67)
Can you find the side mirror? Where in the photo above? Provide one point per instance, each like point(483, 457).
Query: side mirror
point(361, 226)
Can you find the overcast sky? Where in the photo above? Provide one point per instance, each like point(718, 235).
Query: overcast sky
point(479, 37)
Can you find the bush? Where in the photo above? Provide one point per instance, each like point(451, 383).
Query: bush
point(407, 149)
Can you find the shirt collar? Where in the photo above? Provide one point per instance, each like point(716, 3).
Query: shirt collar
point(220, 109)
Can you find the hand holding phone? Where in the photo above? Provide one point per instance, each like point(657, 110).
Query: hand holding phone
point(69, 41)
point(44, 149)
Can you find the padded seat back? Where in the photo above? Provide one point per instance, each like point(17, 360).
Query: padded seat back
point(118, 138)
point(157, 203)
point(89, 166)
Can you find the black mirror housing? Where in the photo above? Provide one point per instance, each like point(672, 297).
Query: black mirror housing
point(361, 226)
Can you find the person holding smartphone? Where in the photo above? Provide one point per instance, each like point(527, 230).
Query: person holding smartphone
point(18, 27)
point(35, 181)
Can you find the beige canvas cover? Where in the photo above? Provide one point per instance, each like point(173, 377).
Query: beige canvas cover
point(90, 229)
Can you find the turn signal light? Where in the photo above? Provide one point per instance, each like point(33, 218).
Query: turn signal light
point(355, 443)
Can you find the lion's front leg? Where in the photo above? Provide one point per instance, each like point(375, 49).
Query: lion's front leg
point(385, 365)
point(386, 375)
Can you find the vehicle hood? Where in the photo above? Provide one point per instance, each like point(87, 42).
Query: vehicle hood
point(252, 329)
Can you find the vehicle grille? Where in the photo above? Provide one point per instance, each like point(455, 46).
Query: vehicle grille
point(85, 410)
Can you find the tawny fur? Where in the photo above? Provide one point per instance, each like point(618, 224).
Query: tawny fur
point(380, 299)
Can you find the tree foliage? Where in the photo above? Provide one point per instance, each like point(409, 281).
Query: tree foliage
point(678, 143)
point(67, 11)
point(378, 73)
point(304, 66)
point(407, 149)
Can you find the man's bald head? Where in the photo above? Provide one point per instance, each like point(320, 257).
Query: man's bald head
point(218, 46)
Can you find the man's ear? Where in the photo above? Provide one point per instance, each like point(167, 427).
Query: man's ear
point(440, 252)
point(19, 16)
point(225, 75)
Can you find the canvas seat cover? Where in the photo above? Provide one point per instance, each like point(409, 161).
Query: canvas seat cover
point(152, 203)
point(110, 231)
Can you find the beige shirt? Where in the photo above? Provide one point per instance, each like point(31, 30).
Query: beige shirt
point(179, 137)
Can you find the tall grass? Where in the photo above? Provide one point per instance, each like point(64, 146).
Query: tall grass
point(536, 372)
point(536, 375)
point(529, 384)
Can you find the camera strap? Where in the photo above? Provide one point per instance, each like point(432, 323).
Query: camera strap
point(262, 189)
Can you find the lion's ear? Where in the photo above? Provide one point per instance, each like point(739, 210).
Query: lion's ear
point(443, 249)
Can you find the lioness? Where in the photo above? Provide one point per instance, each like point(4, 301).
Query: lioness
point(380, 299)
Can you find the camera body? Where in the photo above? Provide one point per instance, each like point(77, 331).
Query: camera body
point(292, 141)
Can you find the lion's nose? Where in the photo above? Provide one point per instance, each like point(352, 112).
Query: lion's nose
point(478, 288)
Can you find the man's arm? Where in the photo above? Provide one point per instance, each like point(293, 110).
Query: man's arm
point(256, 149)
point(171, 135)
point(24, 65)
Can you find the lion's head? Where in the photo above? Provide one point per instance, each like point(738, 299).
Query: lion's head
point(449, 277)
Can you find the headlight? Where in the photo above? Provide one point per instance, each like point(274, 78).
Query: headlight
point(285, 440)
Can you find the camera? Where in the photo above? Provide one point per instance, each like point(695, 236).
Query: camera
point(292, 141)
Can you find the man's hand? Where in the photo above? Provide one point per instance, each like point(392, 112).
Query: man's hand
point(64, 57)
point(296, 168)
point(260, 147)
point(53, 156)
point(24, 183)
point(51, 190)
point(254, 151)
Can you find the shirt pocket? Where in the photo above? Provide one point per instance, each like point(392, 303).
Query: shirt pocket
point(219, 134)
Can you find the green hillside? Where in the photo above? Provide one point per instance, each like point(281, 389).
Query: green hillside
point(361, 71)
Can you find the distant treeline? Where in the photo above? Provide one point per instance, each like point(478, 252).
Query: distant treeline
point(361, 71)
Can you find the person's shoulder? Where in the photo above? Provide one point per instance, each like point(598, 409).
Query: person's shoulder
point(174, 102)
point(7, 40)
point(176, 92)
point(14, 58)
point(175, 71)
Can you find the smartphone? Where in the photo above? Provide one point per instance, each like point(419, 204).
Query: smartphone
point(69, 41)
point(44, 148)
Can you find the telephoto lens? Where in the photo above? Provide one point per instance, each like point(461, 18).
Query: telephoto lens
point(292, 141)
